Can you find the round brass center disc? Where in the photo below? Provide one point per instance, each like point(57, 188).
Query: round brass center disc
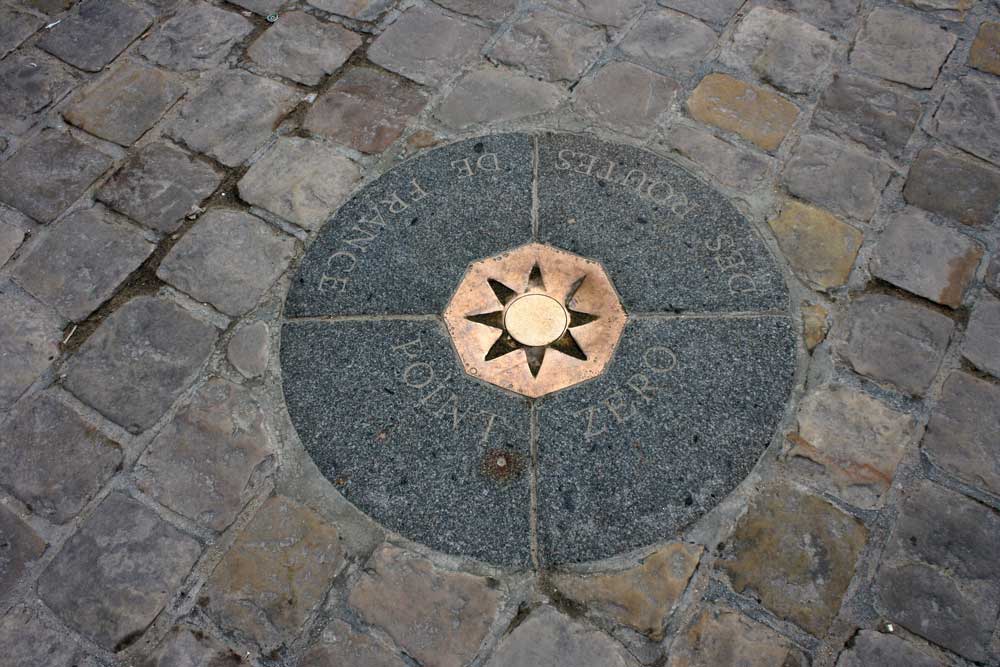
point(536, 319)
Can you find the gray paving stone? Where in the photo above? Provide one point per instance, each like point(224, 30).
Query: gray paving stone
point(29, 641)
point(96, 34)
point(900, 46)
point(366, 109)
point(871, 648)
point(615, 13)
point(494, 95)
point(982, 336)
point(831, 14)
point(340, 644)
point(494, 10)
point(113, 577)
point(961, 436)
point(720, 636)
point(20, 546)
point(545, 45)
point(546, 637)
point(929, 260)
point(627, 97)
point(713, 11)
point(189, 647)
point(249, 349)
point(301, 180)
point(874, 114)
point(15, 27)
point(36, 443)
point(669, 41)
point(228, 259)
point(139, 361)
point(260, 7)
point(199, 37)
point(938, 577)
point(953, 184)
point(125, 103)
point(894, 341)
point(32, 83)
point(303, 48)
point(50, 6)
point(80, 262)
point(29, 342)
point(233, 116)
point(11, 236)
point(159, 185)
point(992, 278)
point(969, 116)
point(836, 176)
point(48, 174)
point(733, 166)
point(427, 46)
point(363, 10)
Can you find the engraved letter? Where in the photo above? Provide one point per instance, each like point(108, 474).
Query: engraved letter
point(664, 200)
point(343, 253)
point(456, 415)
point(642, 179)
point(660, 359)
point(617, 405)
point(732, 261)
point(395, 204)
point(465, 171)
point(741, 283)
point(416, 368)
point(586, 166)
point(590, 432)
point(405, 347)
point(361, 242)
point(416, 192)
point(339, 283)
point(719, 241)
point(639, 383)
point(484, 166)
point(490, 419)
point(561, 162)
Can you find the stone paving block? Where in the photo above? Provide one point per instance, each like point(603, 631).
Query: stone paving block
point(96, 34)
point(198, 37)
point(248, 349)
point(428, 46)
point(29, 641)
point(11, 237)
point(880, 116)
point(754, 113)
point(969, 116)
point(955, 185)
point(50, 6)
point(545, 45)
point(849, 443)
point(869, 648)
point(366, 109)
point(833, 15)
point(627, 97)
point(895, 341)
point(982, 336)
point(962, 435)
point(189, 647)
point(29, 342)
point(275, 574)
point(796, 553)
point(32, 83)
point(363, 10)
point(900, 46)
point(938, 576)
point(495, 10)
point(15, 27)
point(200, 465)
point(733, 166)
point(233, 116)
point(985, 53)
point(642, 597)
point(139, 361)
point(301, 180)
point(493, 95)
point(303, 48)
point(820, 248)
point(125, 103)
point(228, 259)
point(20, 546)
point(113, 577)
point(615, 13)
point(670, 41)
point(929, 260)
point(718, 636)
point(159, 185)
point(950, 10)
point(713, 11)
point(340, 644)
point(36, 443)
point(48, 174)
point(836, 176)
point(546, 637)
point(79, 263)
point(455, 612)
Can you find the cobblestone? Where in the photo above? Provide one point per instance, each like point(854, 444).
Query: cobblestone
point(820, 248)
point(198, 37)
point(96, 34)
point(754, 113)
point(546, 46)
point(15, 27)
point(874, 648)
point(302, 48)
point(733, 166)
point(29, 342)
point(982, 336)
point(186, 647)
point(340, 644)
point(718, 636)
point(491, 95)
point(985, 52)
point(248, 349)
point(836, 15)
point(953, 184)
point(28, 641)
point(969, 116)
point(626, 96)
point(33, 83)
point(899, 46)
point(669, 41)
point(19, 548)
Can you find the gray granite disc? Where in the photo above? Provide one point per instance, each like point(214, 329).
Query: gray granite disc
point(683, 411)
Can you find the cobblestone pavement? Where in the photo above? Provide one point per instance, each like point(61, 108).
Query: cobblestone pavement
point(163, 164)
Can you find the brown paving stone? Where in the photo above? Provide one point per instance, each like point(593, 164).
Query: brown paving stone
point(187, 647)
point(28, 640)
point(836, 176)
point(982, 336)
point(248, 349)
point(820, 248)
point(955, 185)
point(815, 324)
point(627, 97)
point(20, 546)
point(796, 553)
point(985, 53)
point(869, 648)
point(363, 10)
point(671, 41)
point(96, 34)
point(32, 83)
point(340, 644)
point(900, 46)
point(614, 13)
point(733, 166)
point(15, 27)
point(969, 116)
point(455, 612)
point(756, 114)
point(719, 636)
point(547, 46)
point(198, 37)
point(490, 95)
point(303, 48)
point(29, 342)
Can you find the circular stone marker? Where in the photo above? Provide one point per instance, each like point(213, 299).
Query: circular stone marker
point(535, 350)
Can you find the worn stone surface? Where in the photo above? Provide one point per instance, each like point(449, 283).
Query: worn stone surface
point(938, 577)
point(303, 48)
point(276, 573)
point(836, 15)
point(29, 641)
point(50, 6)
point(426, 45)
point(642, 597)
point(969, 116)
point(626, 96)
point(854, 439)
point(263, 8)
point(186, 647)
point(20, 546)
point(713, 11)
point(985, 53)
point(929, 260)
point(233, 116)
point(836, 176)
point(815, 324)
point(199, 37)
point(820, 248)
point(982, 336)
point(158, 185)
point(139, 361)
point(733, 166)
point(301, 180)
point(455, 612)
point(955, 185)
point(36, 443)
point(489, 95)
point(364, 10)
point(80, 262)
point(718, 636)
point(495, 10)
point(992, 277)
point(94, 35)
point(871, 648)
point(48, 174)
point(11, 236)
point(340, 644)
point(754, 113)
point(796, 553)
point(547, 46)
point(248, 349)
point(32, 83)
point(874, 114)
point(29, 342)
point(228, 259)
point(950, 10)
point(669, 41)
point(900, 46)
point(117, 572)
point(200, 465)
point(615, 13)
point(895, 341)
point(15, 27)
